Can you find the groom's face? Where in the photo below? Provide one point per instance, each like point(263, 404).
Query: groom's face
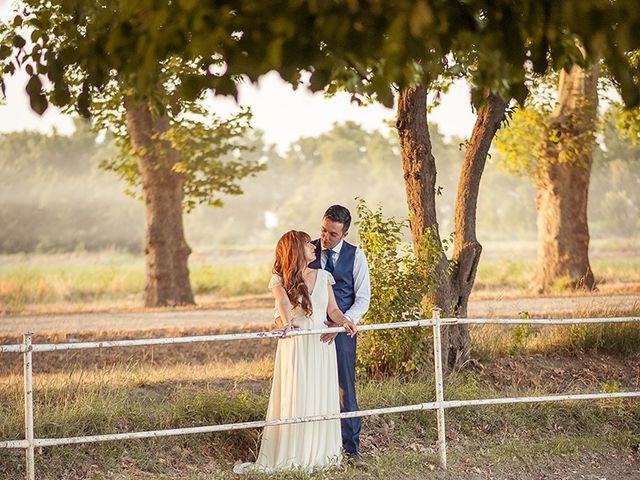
point(331, 233)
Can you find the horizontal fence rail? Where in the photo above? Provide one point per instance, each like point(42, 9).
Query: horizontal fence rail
point(51, 347)
point(27, 348)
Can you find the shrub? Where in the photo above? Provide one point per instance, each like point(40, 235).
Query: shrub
point(400, 286)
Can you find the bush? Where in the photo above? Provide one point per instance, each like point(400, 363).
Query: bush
point(400, 285)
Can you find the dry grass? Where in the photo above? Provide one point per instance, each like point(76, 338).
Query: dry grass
point(493, 341)
point(109, 279)
point(84, 281)
point(115, 390)
point(139, 398)
point(136, 374)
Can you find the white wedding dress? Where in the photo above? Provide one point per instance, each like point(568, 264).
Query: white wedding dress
point(305, 382)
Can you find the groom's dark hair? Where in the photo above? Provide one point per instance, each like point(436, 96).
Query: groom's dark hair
point(339, 214)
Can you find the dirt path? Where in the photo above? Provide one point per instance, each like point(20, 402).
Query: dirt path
point(78, 322)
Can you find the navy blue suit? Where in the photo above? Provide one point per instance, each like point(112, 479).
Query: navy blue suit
point(345, 345)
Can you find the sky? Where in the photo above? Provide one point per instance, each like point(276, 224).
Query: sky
point(283, 113)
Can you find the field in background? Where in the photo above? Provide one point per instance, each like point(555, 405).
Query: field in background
point(112, 279)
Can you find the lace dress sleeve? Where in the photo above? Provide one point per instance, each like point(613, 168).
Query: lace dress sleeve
point(275, 281)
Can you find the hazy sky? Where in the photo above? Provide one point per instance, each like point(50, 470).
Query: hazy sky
point(284, 114)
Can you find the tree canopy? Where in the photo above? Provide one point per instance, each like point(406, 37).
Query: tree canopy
point(370, 46)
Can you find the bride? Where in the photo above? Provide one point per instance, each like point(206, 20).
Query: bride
point(305, 377)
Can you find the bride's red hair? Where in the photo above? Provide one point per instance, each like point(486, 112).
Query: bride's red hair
point(289, 264)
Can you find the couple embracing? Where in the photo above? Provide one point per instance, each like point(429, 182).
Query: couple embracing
point(316, 284)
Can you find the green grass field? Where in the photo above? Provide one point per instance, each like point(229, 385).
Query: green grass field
point(107, 279)
point(110, 277)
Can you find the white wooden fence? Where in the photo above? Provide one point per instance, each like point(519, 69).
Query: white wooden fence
point(27, 348)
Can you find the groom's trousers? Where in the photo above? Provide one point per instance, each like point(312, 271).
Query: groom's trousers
point(346, 354)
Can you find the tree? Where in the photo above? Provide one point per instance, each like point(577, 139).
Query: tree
point(54, 197)
point(476, 58)
point(563, 183)
point(615, 182)
point(554, 145)
point(454, 277)
point(170, 145)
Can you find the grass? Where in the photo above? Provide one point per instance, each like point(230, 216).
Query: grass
point(130, 396)
point(141, 398)
point(108, 279)
point(493, 341)
point(105, 277)
point(114, 397)
point(517, 273)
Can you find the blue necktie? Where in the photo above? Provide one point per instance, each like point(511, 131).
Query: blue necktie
point(329, 265)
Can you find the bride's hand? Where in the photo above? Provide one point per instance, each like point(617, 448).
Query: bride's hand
point(284, 332)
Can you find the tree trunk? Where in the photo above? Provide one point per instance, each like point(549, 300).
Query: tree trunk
point(455, 278)
point(419, 168)
point(467, 249)
point(166, 249)
point(562, 182)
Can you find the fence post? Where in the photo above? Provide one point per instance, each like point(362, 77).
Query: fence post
point(28, 405)
point(437, 362)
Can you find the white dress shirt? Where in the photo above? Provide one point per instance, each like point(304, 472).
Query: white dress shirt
point(361, 281)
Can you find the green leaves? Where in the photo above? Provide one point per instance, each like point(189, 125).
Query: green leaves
point(399, 283)
point(83, 101)
point(192, 86)
point(210, 155)
point(37, 99)
point(495, 44)
point(5, 51)
point(18, 41)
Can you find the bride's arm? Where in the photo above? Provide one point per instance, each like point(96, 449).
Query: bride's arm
point(336, 315)
point(283, 304)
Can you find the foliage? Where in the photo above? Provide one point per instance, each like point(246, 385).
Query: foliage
point(628, 123)
point(615, 184)
point(522, 142)
point(210, 155)
point(519, 339)
point(614, 189)
point(616, 339)
point(53, 197)
point(211, 149)
point(399, 284)
point(519, 143)
point(371, 46)
point(628, 119)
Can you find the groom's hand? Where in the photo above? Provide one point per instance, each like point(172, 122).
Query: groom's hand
point(328, 338)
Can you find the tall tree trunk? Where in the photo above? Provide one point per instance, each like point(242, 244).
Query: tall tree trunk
point(467, 249)
point(166, 249)
point(419, 168)
point(454, 278)
point(562, 183)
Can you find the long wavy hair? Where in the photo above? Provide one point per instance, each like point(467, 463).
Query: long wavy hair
point(289, 264)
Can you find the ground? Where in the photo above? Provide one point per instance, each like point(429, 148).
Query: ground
point(552, 371)
point(258, 310)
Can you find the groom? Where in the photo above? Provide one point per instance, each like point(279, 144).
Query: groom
point(348, 265)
